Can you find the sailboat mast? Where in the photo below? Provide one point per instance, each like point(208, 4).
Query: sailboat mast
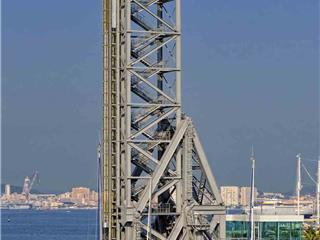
point(252, 197)
point(298, 187)
point(99, 213)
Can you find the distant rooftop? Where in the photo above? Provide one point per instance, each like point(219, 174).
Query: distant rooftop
point(265, 218)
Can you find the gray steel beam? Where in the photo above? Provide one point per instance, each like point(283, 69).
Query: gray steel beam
point(167, 156)
point(154, 233)
point(206, 168)
point(177, 229)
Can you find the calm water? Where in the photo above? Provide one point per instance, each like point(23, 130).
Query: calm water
point(48, 225)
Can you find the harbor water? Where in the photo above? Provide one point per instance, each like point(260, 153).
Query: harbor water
point(48, 224)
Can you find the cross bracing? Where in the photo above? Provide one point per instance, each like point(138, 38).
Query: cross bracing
point(157, 183)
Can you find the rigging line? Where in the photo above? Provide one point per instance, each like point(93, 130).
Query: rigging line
point(310, 160)
point(308, 174)
point(308, 184)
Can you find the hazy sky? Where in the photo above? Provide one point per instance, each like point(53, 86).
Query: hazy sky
point(250, 76)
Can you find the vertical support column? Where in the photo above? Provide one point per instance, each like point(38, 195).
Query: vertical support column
point(178, 59)
point(126, 59)
point(111, 123)
point(116, 25)
point(106, 70)
point(187, 195)
point(178, 99)
point(187, 163)
point(113, 227)
point(123, 106)
point(222, 228)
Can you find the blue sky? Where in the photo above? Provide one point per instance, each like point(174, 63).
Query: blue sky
point(250, 76)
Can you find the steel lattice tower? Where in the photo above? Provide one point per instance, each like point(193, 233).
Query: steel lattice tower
point(157, 183)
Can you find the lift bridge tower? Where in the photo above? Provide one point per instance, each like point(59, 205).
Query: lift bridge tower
point(156, 180)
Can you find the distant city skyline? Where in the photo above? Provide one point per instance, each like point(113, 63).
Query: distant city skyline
point(250, 76)
point(78, 197)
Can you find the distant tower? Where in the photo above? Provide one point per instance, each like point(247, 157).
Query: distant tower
point(26, 185)
point(7, 190)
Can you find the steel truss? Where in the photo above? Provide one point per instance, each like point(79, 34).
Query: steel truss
point(157, 182)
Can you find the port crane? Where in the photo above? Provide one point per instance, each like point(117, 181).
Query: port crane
point(156, 179)
point(28, 184)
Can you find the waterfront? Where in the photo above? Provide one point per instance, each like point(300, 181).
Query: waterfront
point(78, 198)
point(48, 224)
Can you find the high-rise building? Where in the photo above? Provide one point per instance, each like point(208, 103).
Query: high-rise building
point(93, 196)
point(245, 193)
point(7, 190)
point(80, 194)
point(230, 195)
